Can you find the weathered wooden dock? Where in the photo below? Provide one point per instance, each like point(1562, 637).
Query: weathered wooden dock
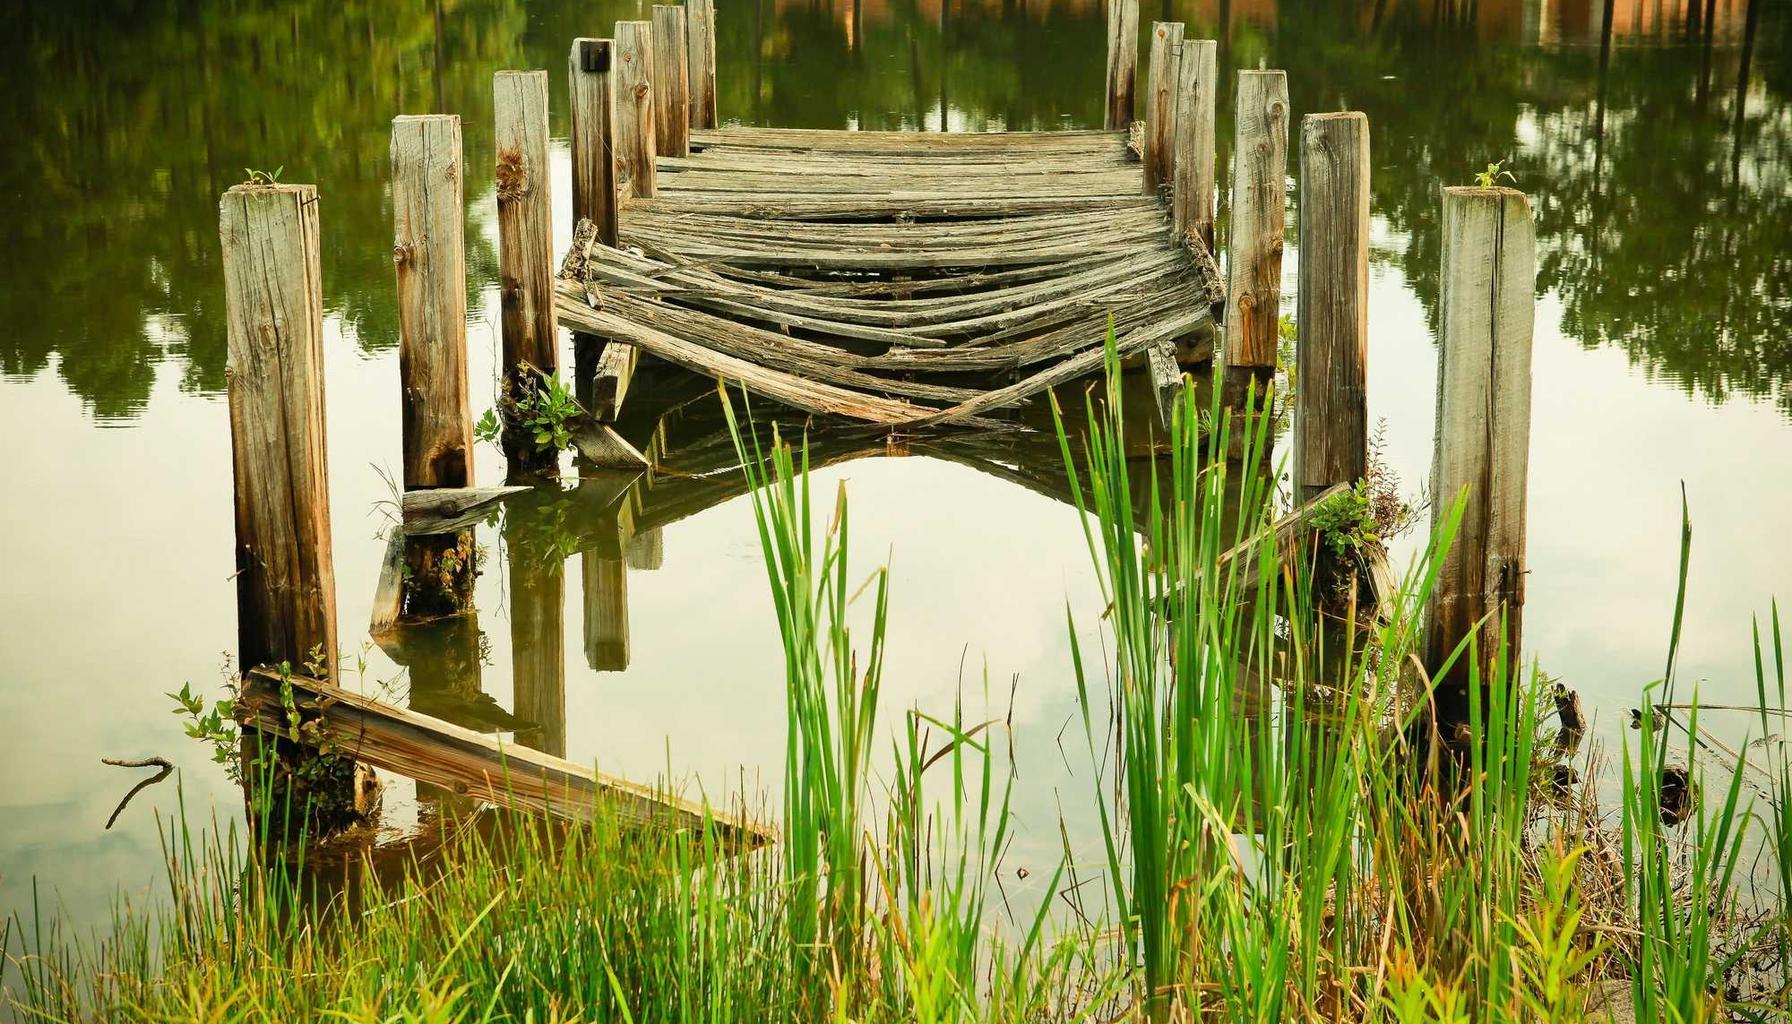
point(896, 281)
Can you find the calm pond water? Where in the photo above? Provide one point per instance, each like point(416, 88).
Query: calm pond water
point(1659, 165)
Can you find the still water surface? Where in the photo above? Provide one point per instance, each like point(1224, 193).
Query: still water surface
point(1657, 149)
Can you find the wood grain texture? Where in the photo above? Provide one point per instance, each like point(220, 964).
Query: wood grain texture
point(1482, 451)
point(700, 47)
point(605, 583)
point(273, 294)
point(591, 90)
point(427, 250)
point(1259, 206)
point(671, 82)
point(635, 101)
point(1193, 186)
point(1161, 82)
point(1331, 406)
point(1123, 62)
point(609, 385)
point(525, 244)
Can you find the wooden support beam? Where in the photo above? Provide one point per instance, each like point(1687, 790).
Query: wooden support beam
point(700, 43)
point(1488, 282)
point(1331, 406)
point(525, 250)
point(1192, 191)
point(591, 89)
point(466, 762)
point(1160, 105)
point(605, 582)
point(428, 236)
point(635, 142)
point(1123, 62)
point(1259, 206)
point(273, 298)
point(671, 82)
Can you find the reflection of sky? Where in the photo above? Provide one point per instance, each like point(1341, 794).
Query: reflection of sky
point(115, 562)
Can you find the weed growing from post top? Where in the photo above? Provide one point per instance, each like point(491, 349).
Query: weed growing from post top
point(262, 178)
point(545, 412)
point(1493, 174)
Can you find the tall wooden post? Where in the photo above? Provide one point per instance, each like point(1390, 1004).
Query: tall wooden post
point(635, 150)
point(428, 236)
point(428, 253)
point(273, 297)
point(671, 82)
point(1192, 191)
point(1331, 409)
point(700, 45)
point(1483, 432)
point(1160, 105)
point(525, 249)
point(591, 90)
point(1254, 278)
point(1123, 62)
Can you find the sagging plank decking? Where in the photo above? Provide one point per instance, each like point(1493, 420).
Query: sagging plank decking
point(898, 278)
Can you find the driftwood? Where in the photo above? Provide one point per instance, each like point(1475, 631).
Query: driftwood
point(430, 750)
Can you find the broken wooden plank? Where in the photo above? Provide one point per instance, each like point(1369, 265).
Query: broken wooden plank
point(609, 386)
point(440, 753)
point(602, 446)
point(448, 509)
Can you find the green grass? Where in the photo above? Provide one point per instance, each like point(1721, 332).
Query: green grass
point(1278, 845)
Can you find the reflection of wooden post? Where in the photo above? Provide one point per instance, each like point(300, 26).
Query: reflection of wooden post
point(606, 611)
point(635, 150)
point(647, 549)
point(1254, 285)
point(1331, 411)
point(700, 42)
point(427, 251)
point(1123, 62)
point(1160, 105)
point(1192, 191)
point(591, 91)
point(671, 82)
point(525, 248)
point(1483, 430)
point(538, 650)
point(285, 579)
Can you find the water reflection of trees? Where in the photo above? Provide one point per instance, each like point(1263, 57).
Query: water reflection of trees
point(1664, 223)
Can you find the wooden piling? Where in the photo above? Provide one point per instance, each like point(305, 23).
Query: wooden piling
point(606, 611)
point(1123, 62)
point(1254, 278)
point(273, 297)
point(1331, 410)
point(671, 82)
point(592, 100)
point(1192, 188)
point(635, 142)
point(1160, 105)
point(427, 250)
point(1482, 446)
point(525, 248)
point(700, 48)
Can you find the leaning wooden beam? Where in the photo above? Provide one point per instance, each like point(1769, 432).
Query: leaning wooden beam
point(448, 509)
point(525, 249)
point(1488, 285)
point(1123, 61)
point(1160, 105)
point(671, 82)
point(442, 754)
point(700, 41)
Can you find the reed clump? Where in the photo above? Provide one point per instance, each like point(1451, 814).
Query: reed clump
point(1280, 840)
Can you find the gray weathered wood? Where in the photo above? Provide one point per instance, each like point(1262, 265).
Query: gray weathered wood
point(464, 761)
point(427, 249)
point(605, 582)
point(700, 44)
point(1192, 191)
point(600, 445)
point(1166, 379)
point(591, 88)
point(273, 296)
point(1123, 62)
point(635, 101)
point(1331, 407)
point(1488, 282)
point(1259, 203)
point(388, 592)
point(609, 386)
point(671, 82)
point(525, 246)
point(1162, 80)
point(449, 509)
